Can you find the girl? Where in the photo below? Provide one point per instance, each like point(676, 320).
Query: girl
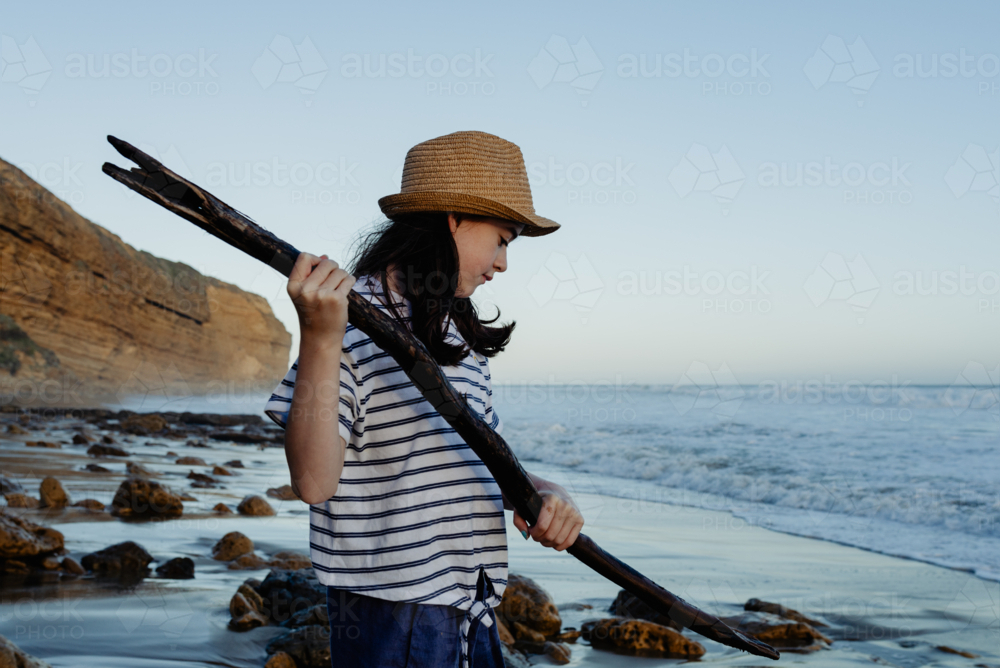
point(406, 522)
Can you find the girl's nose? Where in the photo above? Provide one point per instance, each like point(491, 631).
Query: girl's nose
point(500, 264)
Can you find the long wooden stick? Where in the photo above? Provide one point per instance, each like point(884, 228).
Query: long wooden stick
point(158, 183)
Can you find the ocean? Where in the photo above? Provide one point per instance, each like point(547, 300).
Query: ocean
point(908, 471)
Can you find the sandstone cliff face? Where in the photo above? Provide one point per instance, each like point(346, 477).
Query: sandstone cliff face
point(89, 318)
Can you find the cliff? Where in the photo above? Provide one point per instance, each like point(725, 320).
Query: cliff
point(84, 317)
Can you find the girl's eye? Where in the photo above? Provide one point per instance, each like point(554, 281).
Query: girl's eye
point(503, 242)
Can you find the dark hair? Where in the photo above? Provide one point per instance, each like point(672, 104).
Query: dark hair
point(421, 250)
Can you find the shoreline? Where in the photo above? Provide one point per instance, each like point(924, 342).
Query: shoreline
point(880, 607)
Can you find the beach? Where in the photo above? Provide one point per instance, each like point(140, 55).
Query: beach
point(878, 608)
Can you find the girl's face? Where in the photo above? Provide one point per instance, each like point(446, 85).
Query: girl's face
point(482, 249)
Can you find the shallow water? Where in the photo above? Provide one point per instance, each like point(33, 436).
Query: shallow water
point(886, 610)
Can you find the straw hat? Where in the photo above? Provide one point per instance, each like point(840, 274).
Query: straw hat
point(468, 172)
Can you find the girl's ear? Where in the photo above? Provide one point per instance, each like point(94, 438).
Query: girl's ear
point(452, 222)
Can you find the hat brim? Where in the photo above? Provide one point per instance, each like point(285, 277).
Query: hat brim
point(412, 202)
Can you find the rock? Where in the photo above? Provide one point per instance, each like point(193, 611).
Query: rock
point(232, 545)
point(143, 424)
point(50, 563)
point(505, 635)
point(950, 650)
point(126, 559)
point(527, 603)
point(777, 632)
point(285, 592)
point(285, 493)
point(577, 606)
point(90, 504)
point(290, 560)
point(255, 506)
point(51, 493)
point(107, 440)
point(8, 486)
point(234, 463)
point(757, 605)
point(24, 540)
point(178, 568)
point(138, 470)
point(309, 646)
point(82, 439)
point(15, 566)
point(72, 566)
point(21, 501)
point(191, 461)
point(204, 480)
point(640, 638)
point(627, 605)
point(184, 496)
point(280, 660)
point(239, 437)
point(247, 562)
point(245, 609)
point(96, 468)
point(42, 444)
point(522, 632)
point(513, 658)
point(317, 614)
point(218, 470)
point(138, 497)
point(569, 635)
point(103, 450)
point(222, 509)
point(12, 657)
point(557, 652)
point(16, 429)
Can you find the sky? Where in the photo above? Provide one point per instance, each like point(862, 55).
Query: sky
point(763, 192)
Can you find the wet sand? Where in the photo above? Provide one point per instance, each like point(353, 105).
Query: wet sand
point(880, 609)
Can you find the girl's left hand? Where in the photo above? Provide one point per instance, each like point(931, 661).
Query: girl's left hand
point(559, 522)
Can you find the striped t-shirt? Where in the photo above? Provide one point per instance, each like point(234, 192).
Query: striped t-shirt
point(416, 513)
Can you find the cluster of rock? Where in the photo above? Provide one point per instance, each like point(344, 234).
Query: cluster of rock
point(232, 428)
point(140, 495)
point(27, 547)
point(238, 550)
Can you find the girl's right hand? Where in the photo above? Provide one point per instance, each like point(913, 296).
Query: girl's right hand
point(319, 289)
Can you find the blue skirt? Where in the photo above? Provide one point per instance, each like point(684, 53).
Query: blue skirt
point(366, 631)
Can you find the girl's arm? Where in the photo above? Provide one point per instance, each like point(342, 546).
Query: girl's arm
point(313, 422)
point(559, 522)
point(314, 448)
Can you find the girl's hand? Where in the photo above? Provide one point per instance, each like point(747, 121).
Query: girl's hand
point(559, 522)
point(319, 289)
